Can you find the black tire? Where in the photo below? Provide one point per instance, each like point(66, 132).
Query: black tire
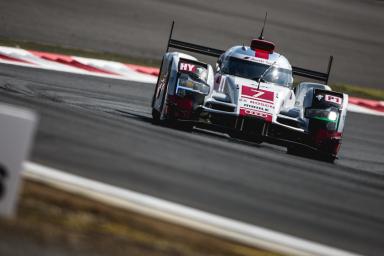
point(182, 126)
point(241, 136)
point(171, 122)
point(305, 152)
point(328, 158)
point(295, 150)
point(155, 116)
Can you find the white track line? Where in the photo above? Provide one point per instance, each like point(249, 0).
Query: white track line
point(179, 214)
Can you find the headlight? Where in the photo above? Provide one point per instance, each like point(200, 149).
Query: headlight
point(186, 83)
point(332, 115)
point(322, 114)
point(191, 85)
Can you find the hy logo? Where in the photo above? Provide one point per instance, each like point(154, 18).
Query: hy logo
point(319, 97)
point(187, 67)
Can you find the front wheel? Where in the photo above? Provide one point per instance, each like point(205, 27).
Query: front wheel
point(310, 153)
point(246, 137)
point(155, 116)
point(329, 158)
point(297, 150)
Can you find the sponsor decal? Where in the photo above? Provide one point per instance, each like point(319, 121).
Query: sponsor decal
point(256, 102)
point(259, 105)
point(333, 99)
point(250, 112)
point(259, 60)
point(199, 70)
point(187, 67)
point(258, 94)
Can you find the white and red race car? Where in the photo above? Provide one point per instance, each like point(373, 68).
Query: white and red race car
point(250, 95)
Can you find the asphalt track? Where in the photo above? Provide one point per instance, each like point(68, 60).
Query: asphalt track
point(101, 129)
point(306, 31)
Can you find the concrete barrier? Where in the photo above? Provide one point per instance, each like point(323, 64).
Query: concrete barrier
point(17, 127)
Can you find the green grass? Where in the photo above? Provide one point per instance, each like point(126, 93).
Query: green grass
point(360, 91)
point(351, 90)
point(48, 218)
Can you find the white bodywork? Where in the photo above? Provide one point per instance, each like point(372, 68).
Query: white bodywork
point(310, 114)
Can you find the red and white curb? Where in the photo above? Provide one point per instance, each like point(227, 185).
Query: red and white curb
point(130, 72)
point(179, 214)
point(373, 107)
point(78, 65)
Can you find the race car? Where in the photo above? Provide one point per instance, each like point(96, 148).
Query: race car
point(250, 95)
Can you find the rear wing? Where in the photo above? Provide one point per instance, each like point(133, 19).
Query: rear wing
point(173, 43)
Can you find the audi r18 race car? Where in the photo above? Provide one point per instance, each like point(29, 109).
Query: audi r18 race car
point(250, 95)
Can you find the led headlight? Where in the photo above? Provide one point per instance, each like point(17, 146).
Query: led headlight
point(192, 85)
point(312, 112)
point(322, 114)
point(332, 116)
point(186, 83)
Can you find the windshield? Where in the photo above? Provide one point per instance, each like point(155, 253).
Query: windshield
point(253, 70)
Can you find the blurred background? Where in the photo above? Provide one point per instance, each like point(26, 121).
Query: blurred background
point(305, 31)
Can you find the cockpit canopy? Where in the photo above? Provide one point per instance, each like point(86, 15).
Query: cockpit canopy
point(255, 71)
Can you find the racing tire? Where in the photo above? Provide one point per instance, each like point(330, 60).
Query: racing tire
point(304, 152)
point(295, 150)
point(182, 126)
point(171, 122)
point(241, 136)
point(155, 116)
point(328, 158)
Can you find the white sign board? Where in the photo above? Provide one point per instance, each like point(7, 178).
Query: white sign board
point(17, 127)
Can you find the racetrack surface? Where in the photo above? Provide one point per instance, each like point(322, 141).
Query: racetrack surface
point(101, 129)
point(306, 31)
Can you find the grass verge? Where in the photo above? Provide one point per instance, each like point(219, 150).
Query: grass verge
point(352, 90)
point(359, 91)
point(53, 222)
